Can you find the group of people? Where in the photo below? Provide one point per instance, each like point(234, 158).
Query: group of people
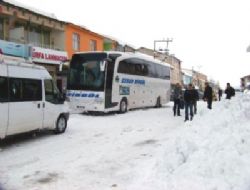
point(188, 99)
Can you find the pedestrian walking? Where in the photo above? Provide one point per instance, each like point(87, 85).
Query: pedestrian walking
point(189, 98)
point(229, 91)
point(196, 98)
point(177, 99)
point(208, 95)
point(219, 94)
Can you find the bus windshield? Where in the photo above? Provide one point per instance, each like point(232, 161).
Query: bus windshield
point(85, 72)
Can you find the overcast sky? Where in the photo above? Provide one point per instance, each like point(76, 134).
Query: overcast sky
point(208, 35)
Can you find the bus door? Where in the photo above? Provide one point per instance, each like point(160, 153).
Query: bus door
point(4, 105)
point(109, 83)
point(110, 66)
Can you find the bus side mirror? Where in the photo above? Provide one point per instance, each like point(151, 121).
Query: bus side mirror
point(103, 63)
point(64, 62)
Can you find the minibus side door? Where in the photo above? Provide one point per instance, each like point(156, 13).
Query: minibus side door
point(52, 106)
point(25, 107)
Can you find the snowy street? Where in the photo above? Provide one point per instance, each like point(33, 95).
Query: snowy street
point(145, 149)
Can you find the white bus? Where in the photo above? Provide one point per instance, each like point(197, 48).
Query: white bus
point(115, 81)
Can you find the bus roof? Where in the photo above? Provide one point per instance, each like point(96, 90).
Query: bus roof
point(130, 54)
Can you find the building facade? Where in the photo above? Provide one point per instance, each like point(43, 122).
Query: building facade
point(80, 39)
point(187, 77)
point(112, 44)
point(198, 79)
point(245, 82)
point(32, 35)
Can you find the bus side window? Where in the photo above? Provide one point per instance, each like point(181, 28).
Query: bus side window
point(151, 69)
point(4, 89)
point(145, 70)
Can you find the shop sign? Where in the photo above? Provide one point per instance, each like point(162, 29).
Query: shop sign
point(13, 49)
point(48, 56)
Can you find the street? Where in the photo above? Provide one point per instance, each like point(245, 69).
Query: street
point(143, 149)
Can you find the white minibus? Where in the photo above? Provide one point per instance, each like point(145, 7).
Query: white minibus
point(29, 100)
point(116, 81)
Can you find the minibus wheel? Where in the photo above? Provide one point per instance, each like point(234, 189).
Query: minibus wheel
point(61, 124)
point(123, 106)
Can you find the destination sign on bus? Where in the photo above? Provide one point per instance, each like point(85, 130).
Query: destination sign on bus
point(132, 81)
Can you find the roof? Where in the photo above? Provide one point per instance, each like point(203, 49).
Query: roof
point(20, 63)
point(31, 9)
point(86, 29)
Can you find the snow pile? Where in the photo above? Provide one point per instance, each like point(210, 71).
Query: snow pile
point(211, 153)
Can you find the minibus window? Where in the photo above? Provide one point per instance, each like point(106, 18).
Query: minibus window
point(32, 90)
point(51, 92)
point(3, 89)
point(22, 90)
point(16, 90)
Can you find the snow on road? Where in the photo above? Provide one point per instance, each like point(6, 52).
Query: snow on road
point(145, 149)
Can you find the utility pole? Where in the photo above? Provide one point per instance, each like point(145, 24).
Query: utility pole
point(167, 41)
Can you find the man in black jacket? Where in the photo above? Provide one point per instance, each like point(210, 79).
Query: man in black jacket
point(208, 95)
point(177, 98)
point(189, 99)
point(219, 94)
point(229, 91)
point(196, 98)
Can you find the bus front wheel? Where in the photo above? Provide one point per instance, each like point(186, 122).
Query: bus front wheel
point(123, 106)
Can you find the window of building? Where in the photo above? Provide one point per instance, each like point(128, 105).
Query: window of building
point(76, 41)
point(34, 35)
point(92, 45)
point(46, 38)
point(1, 29)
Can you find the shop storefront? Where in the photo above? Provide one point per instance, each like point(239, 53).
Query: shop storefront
point(51, 60)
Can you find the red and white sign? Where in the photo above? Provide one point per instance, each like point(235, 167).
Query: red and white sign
point(49, 56)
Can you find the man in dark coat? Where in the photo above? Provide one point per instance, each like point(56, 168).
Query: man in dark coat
point(177, 98)
point(219, 94)
point(208, 95)
point(189, 98)
point(196, 98)
point(229, 91)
